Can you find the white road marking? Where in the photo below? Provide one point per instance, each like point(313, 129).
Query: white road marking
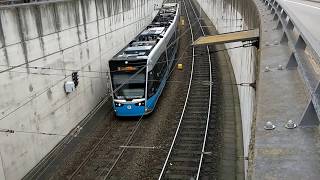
point(294, 2)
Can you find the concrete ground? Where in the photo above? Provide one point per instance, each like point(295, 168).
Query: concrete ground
point(281, 153)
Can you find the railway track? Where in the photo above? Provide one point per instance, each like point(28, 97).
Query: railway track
point(186, 156)
point(105, 154)
point(190, 155)
point(97, 152)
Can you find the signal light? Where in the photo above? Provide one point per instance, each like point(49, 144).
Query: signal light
point(75, 78)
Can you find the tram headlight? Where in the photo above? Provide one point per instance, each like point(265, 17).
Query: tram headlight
point(118, 104)
point(140, 103)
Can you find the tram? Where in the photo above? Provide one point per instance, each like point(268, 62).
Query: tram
point(140, 70)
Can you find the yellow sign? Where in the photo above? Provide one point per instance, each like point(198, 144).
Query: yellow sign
point(182, 21)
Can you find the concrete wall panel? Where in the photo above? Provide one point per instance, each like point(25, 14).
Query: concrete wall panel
point(27, 19)
point(48, 24)
point(34, 49)
point(9, 22)
point(15, 55)
point(49, 41)
point(50, 45)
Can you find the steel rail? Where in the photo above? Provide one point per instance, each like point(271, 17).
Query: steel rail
point(137, 125)
point(209, 108)
point(87, 158)
point(185, 103)
point(187, 97)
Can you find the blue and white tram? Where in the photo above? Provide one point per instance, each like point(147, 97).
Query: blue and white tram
point(140, 70)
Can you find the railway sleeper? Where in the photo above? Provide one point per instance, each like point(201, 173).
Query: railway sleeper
point(191, 133)
point(200, 97)
point(178, 154)
point(194, 145)
point(198, 112)
point(201, 80)
point(182, 170)
point(198, 71)
point(185, 160)
point(186, 152)
point(194, 127)
point(193, 122)
point(196, 94)
point(197, 101)
point(195, 118)
point(193, 130)
point(191, 138)
point(200, 83)
point(200, 87)
point(200, 129)
point(196, 121)
point(200, 49)
point(199, 65)
point(178, 176)
point(198, 108)
point(190, 146)
point(188, 170)
point(201, 72)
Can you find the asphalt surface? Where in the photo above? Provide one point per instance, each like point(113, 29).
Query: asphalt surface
point(307, 12)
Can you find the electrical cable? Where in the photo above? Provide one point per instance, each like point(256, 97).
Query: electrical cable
point(102, 72)
point(99, 77)
point(34, 60)
point(86, 41)
point(123, 83)
point(66, 76)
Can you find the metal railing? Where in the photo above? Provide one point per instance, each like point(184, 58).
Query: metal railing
point(305, 56)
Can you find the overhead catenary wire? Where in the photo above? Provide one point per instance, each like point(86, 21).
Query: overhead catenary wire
point(87, 40)
point(35, 67)
point(105, 72)
point(57, 134)
point(37, 94)
point(128, 141)
point(66, 76)
point(178, 59)
point(107, 51)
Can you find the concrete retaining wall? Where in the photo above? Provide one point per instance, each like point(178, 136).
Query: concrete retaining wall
point(230, 16)
point(41, 44)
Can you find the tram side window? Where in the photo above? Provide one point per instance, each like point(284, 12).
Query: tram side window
point(161, 65)
point(152, 84)
point(171, 46)
point(156, 75)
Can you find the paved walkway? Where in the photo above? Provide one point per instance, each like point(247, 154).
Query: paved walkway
point(283, 153)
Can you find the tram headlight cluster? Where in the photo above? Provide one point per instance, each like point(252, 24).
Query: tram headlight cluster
point(140, 103)
point(118, 104)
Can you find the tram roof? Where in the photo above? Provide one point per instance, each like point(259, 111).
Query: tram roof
point(153, 31)
point(143, 44)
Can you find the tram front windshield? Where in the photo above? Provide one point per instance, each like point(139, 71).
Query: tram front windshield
point(128, 85)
